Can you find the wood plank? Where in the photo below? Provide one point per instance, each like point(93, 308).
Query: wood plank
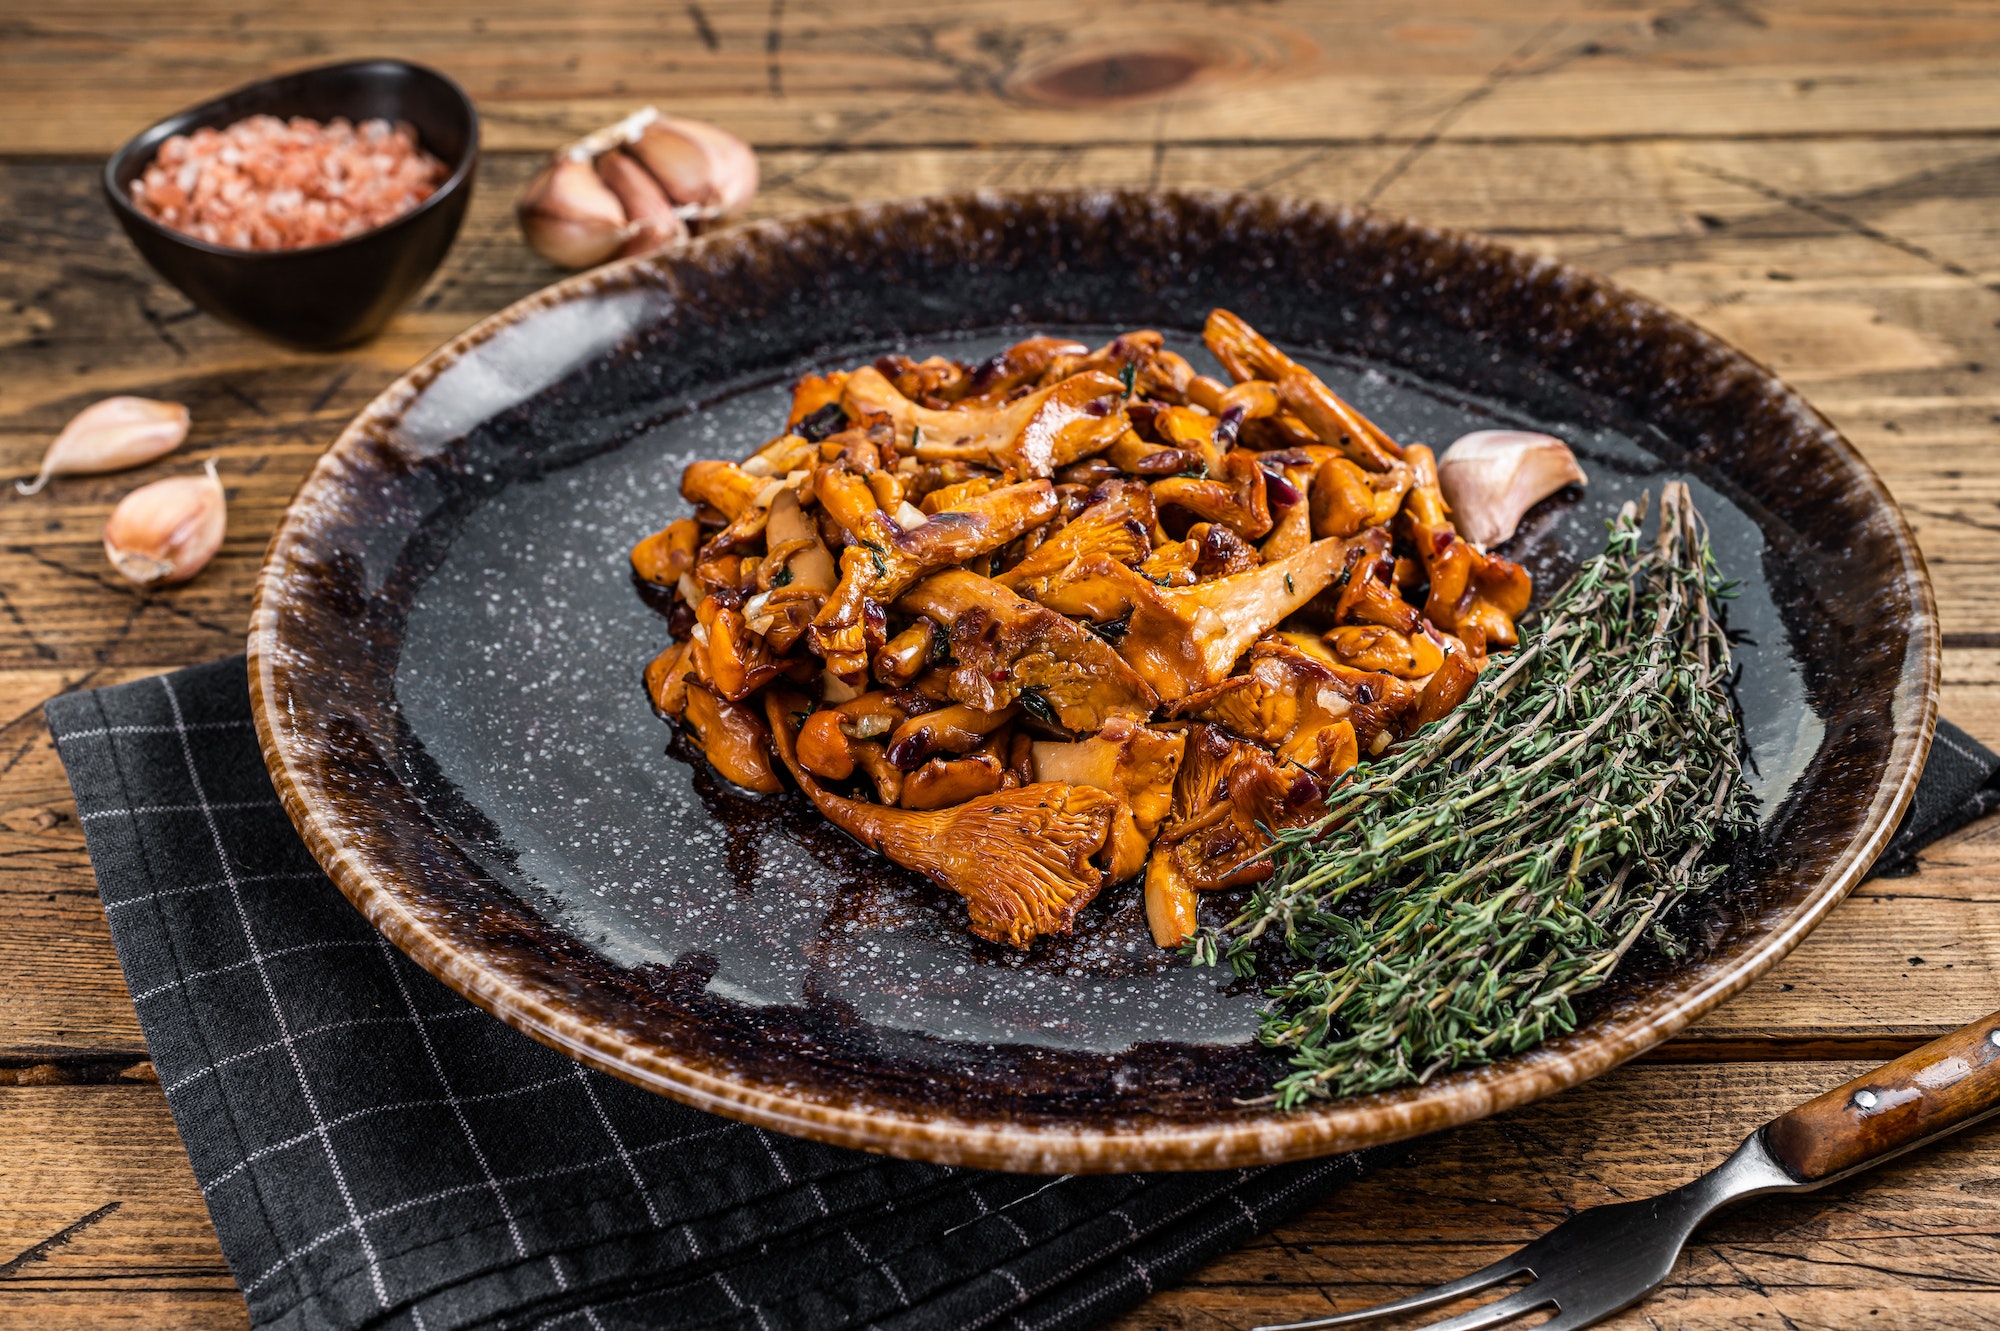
point(64, 1012)
point(1911, 1244)
point(102, 1167)
point(1915, 1239)
point(81, 80)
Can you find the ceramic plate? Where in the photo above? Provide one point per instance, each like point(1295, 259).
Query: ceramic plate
point(447, 645)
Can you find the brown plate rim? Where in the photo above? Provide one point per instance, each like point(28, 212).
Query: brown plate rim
point(993, 1142)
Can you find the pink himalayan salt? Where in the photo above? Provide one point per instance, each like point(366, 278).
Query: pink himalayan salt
point(269, 184)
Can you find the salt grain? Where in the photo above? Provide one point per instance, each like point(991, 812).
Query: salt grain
point(270, 184)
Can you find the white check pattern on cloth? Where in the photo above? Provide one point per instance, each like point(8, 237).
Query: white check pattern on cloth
point(375, 1151)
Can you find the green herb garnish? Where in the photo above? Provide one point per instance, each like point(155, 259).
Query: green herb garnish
point(1112, 631)
point(1464, 889)
point(828, 420)
point(1036, 703)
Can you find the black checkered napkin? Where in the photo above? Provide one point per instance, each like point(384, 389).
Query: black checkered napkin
point(377, 1152)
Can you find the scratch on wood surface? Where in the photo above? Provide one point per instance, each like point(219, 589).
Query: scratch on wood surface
point(1827, 213)
point(245, 399)
point(107, 583)
point(13, 613)
point(773, 39)
point(160, 329)
point(844, 141)
point(702, 28)
point(1486, 87)
point(40, 1252)
point(1508, 68)
point(333, 385)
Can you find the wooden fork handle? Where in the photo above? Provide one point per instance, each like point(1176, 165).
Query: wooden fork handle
point(1927, 1092)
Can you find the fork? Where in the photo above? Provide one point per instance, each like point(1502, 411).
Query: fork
point(1609, 1257)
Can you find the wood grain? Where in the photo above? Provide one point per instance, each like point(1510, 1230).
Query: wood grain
point(1911, 1245)
point(1033, 71)
point(1948, 1083)
point(1815, 184)
point(1915, 1241)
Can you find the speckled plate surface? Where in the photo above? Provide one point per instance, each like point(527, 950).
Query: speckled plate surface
point(446, 650)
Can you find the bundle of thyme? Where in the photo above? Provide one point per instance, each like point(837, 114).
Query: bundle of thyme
point(1465, 888)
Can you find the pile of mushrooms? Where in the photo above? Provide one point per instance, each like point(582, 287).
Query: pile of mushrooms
point(1071, 616)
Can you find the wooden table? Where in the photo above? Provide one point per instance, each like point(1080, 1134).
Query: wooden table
point(1816, 183)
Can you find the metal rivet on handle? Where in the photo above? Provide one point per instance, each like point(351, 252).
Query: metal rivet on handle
point(1993, 1037)
point(1864, 1099)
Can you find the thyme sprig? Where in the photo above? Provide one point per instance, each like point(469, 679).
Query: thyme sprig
point(1467, 887)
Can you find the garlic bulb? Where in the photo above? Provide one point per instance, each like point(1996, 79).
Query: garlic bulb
point(655, 224)
point(111, 435)
point(570, 215)
point(631, 188)
point(165, 533)
point(1492, 477)
point(708, 171)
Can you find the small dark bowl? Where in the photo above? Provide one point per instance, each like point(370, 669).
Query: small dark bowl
point(320, 296)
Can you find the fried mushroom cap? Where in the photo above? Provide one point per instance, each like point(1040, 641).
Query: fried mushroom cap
point(1048, 428)
point(1114, 527)
point(886, 557)
point(1228, 793)
point(1008, 649)
point(1246, 354)
point(733, 740)
point(1472, 594)
point(1134, 762)
point(1184, 639)
point(1020, 858)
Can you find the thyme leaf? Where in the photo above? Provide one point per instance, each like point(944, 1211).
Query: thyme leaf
point(1467, 887)
point(1112, 631)
point(1035, 702)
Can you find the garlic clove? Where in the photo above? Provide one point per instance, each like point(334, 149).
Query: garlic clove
point(165, 533)
point(570, 216)
point(706, 170)
point(111, 435)
point(657, 225)
point(1492, 477)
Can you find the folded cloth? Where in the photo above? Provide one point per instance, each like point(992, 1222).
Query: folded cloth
point(377, 1152)
point(1961, 782)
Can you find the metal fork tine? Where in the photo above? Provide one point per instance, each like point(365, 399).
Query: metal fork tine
point(1573, 1319)
point(1510, 1265)
point(1518, 1304)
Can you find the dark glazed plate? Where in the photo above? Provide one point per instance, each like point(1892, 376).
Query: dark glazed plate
point(446, 650)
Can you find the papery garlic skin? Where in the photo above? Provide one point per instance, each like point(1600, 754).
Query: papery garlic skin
point(655, 223)
point(111, 435)
point(631, 188)
point(571, 217)
point(165, 533)
point(1490, 478)
point(705, 169)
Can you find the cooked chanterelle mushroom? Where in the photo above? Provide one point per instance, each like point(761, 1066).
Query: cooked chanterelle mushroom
point(1070, 617)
